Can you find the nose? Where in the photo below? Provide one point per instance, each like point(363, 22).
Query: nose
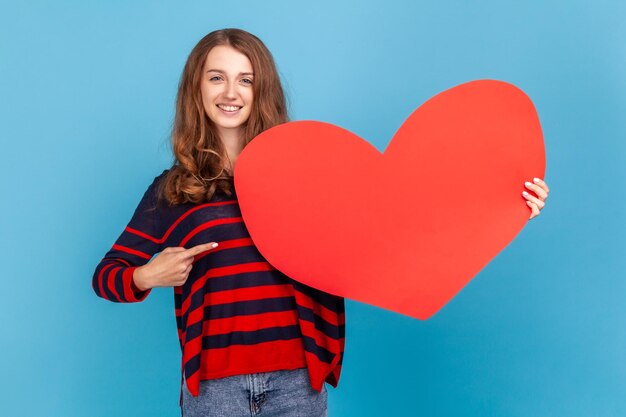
point(229, 90)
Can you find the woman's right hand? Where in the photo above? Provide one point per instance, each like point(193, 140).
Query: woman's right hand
point(170, 268)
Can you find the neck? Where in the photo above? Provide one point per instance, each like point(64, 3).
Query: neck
point(232, 139)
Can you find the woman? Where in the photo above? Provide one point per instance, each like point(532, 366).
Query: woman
point(251, 338)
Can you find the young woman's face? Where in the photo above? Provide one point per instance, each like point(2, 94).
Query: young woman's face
point(227, 88)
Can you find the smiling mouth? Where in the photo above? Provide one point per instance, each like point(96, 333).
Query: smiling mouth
point(230, 109)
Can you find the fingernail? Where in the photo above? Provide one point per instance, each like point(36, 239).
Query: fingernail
point(214, 245)
point(524, 192)
point(536, 179)
point(527, 183)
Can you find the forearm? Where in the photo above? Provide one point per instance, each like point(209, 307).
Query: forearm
point(115, 282)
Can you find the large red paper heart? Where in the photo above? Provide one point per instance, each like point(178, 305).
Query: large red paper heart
point(404, 230)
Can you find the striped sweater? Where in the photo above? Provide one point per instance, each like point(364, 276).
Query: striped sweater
point(235, 314)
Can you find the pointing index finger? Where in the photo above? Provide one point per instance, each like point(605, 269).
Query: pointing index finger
point(201, 248)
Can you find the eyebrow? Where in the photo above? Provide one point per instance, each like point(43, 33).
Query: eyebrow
point(222, 72)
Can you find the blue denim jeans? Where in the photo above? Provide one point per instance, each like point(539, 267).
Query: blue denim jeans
point(285, 393)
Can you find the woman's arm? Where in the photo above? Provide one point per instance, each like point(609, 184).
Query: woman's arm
point(125, 274)
point(113, 278)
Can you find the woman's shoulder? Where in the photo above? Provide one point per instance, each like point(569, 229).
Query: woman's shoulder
point(162, 175)
point(154, 190)
point(158, 180)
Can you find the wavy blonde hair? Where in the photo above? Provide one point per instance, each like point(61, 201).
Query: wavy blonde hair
point(197, 171)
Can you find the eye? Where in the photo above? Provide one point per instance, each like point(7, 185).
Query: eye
point(215, 78)
point(246, 81)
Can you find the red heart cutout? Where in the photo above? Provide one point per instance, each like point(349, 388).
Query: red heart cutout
point(407, 229)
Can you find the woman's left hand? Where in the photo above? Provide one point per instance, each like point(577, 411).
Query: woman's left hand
point(536, 203)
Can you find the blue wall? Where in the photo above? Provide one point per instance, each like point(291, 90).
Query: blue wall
point(86, 102)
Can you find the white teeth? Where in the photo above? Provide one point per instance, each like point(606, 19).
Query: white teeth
point(228, 108)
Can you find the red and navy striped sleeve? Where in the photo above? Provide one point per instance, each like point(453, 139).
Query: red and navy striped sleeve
point(113, 277)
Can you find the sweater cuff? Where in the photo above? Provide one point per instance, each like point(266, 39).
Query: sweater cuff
point(131, 292)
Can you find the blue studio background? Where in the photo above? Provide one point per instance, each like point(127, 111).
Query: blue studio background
point(87, 95)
